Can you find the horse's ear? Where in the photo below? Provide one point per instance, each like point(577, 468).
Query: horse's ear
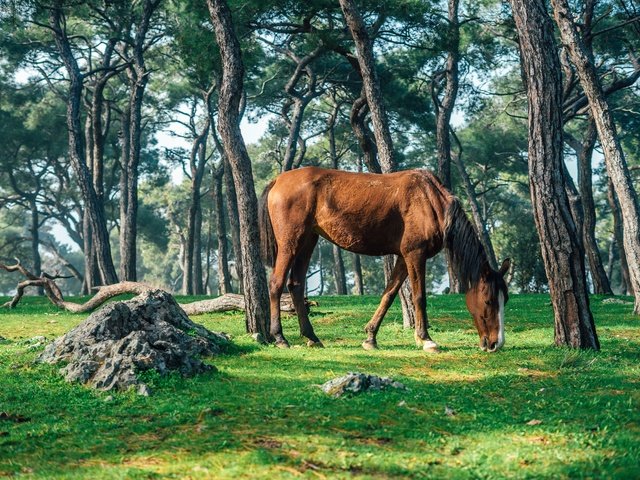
point(504, 268)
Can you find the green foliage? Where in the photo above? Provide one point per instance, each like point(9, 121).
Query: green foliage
point(529, 411)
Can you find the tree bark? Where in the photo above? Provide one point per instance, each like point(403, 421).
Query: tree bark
point(561, 252)
point(614, 157)
point(230, 94)
point(76, 148)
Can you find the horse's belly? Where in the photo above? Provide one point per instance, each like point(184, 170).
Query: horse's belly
point(361, 236)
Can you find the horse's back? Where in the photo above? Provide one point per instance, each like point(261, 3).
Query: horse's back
point(361, 212)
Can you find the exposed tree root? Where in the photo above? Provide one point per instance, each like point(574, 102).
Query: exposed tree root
point(224, 303)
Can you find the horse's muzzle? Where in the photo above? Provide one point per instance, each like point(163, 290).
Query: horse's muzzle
point(487, 346)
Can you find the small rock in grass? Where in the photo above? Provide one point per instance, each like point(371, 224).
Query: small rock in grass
point(448, 411)
point(355, 382)
point(109, 398)
point(533, 422)
point(616, 301)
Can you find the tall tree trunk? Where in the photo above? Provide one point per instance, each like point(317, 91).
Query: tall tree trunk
point(444, 109)
point(76, 148)
point(564, 266)
point(338, 264)
point(234, 221)
point(138, 79)
point(224, 278)
point(584, 152)
point(618, 234)
point(192, 281)
point(371, 84)
point(34, 230)
point(198, 285)
point(358, 288)
point(381, 131)
point(230, 93)
point(613, 155)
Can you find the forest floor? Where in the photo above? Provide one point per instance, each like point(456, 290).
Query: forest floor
point(529, 411)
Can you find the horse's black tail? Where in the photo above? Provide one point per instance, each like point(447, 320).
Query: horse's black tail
point(268, 246)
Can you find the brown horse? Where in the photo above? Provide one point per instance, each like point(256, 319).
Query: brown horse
point(409, 214)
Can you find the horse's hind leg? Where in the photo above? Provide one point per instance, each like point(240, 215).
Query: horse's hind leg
point(398, 275)
point(276, 285)
point(296, 285)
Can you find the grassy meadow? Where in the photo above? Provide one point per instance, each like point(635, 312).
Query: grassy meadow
point(529, 411)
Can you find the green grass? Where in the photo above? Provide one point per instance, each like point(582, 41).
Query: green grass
point(261, 414)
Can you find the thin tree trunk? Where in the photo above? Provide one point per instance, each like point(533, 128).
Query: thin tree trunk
point(358, 287)
point(564, 266)
point(338, 264)
point(444, 109)
point(614, 157)
point(234, 221)
point(230, 94)
point(584, 152)
point(371, 84)
point(76, 148)
point(300, 101)
point(198, 286)
point(192, 281)
point(224, 278)
point(35, 240)
point(138, 79)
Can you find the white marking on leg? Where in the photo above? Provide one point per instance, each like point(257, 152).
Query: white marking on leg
point(430, 345)
point(501, 320)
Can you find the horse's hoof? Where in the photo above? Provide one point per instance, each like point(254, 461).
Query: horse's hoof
point(430, 347)
point(367, 345)
point(313, 344)
point(282, 344)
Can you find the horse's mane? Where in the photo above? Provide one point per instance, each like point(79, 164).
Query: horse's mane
point(466, 253)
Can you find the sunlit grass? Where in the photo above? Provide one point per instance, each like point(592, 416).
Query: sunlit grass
point(529, 411)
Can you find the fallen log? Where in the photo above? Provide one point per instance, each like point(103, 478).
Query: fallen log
point(224, 303)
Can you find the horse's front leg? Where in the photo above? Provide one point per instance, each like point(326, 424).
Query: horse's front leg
point(276, 285)
point(398, 276)
point(416, 266)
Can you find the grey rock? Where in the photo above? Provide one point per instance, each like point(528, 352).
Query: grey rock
point(356, 382)
point(149, 332)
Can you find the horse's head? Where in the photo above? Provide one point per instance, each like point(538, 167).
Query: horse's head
point(486, 301)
